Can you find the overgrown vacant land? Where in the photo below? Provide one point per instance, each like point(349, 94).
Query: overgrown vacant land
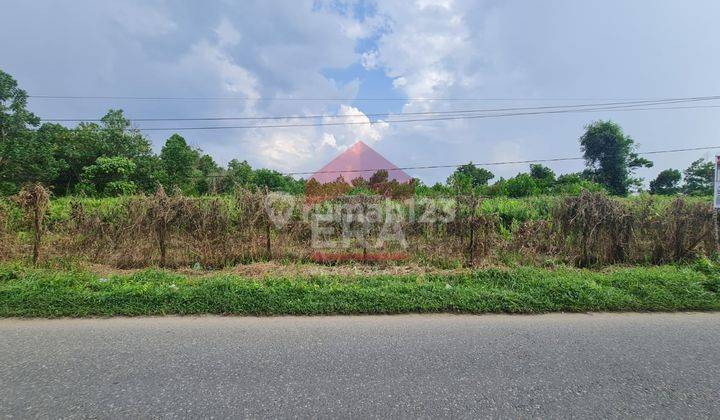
point(252, 253)
point(588, 230)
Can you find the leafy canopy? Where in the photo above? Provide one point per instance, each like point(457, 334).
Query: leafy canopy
point(611, 156)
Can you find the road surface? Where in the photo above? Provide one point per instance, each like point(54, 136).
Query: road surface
point(559, 365)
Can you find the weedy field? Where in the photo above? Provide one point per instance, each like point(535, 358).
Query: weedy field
point(172, 254)
point(588, 230)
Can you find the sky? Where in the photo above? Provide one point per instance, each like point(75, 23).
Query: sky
point(331, 56)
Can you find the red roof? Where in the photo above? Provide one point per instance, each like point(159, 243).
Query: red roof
point(360, 160)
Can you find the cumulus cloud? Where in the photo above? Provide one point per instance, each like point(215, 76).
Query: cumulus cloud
point(412, 49)
point(311, 147)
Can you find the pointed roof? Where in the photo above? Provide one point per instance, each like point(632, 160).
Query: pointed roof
point(360, 160)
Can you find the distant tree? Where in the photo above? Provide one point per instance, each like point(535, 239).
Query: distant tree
point(575, 183)
point(611, 156)
point(469, 176)
point(118, 139)
point(377, 179)
point(24, 157)
point(108, 177)
point(522, 185)
point(699, 178)
point(360, 182)
point(207, 175)
point(275, 181)
point(179, 161)
point(238, 174)
point(667, 182)
point(544, 177)
point(541, 172)
point(79, 147)
point(149, 173)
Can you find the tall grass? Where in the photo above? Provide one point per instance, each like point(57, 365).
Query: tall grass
point(587, 230)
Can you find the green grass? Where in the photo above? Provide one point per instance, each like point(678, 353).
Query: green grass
point(509, 210)
point(26, 292)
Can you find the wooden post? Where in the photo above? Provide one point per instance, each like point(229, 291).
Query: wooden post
point(472, 205)
point(162, 237)
point(35, 200)
point(268, 248)
point(161, 205)
point(38, 228)
point(363, 207)
point(716, 230)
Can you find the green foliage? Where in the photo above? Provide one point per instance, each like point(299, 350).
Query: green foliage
point(275, 181)
point(611, 156)
point(469, 177)
point(238, 174)
point(522, 185)
point(179, 161)
point(108, 176)
point(666, 183)
point(544, 177)
point(437, 190)
point(378, 178)
point(207, 172)
point(26, 292)
point(699, 178)
point(23, 157)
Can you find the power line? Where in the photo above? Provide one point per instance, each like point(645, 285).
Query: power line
point(448, 118)
point(327, 99)
point(467, 111)
point(510, 162)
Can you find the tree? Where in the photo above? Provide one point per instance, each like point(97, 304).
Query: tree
point(575, 183)
point(108, 177)
point(360, 182)
point(179, 161)
point(149, 173)
point(666, 183)
point(275, 181)
point(544, 177)
point(611, 156)
point(378, 179)
point(77, 148)
point(238, 174)
point(522, 185)
point(207, 174)
point(699, 178)
point(24, 157)
point(469, 175)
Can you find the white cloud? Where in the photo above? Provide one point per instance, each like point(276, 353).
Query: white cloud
point(282, 149)
point(227, 34)
point(142, 19)
point(212, 60)
point(451, 48)
point(311, 147)
point(369, 60)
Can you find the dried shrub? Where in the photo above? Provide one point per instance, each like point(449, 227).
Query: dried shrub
point(680, 231)
point(34, 200)
point(596, 228)
point(176, 231)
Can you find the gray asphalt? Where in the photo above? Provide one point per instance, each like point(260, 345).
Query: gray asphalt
point(560, 365)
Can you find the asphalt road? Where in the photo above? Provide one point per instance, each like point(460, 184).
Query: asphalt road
point(561, 365)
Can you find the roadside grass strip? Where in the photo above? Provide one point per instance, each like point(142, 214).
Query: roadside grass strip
point(30, 292)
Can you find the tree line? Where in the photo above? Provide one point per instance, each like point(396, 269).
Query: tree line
point(110, 158)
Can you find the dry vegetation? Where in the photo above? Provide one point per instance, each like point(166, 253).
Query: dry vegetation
point(215, 232)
